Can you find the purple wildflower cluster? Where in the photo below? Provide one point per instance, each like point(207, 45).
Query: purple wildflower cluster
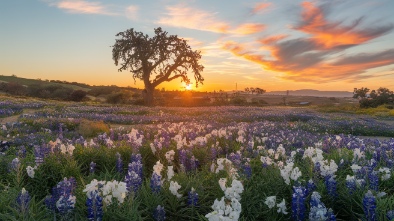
point(62, 199)
point(134, 176)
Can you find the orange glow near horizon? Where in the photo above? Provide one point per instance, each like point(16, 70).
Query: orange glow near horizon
point(321, 45)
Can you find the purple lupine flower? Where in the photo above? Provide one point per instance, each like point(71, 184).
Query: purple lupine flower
point(133, 176)
point(183, 157)
point(390, 215)
point(298, 207)
point(318, 210)
point(193, 163)
point(373, 180)
point(21, 152)
point(331, 185)
point(159, 214)
point(310, 187)
point(60, 131)
point(369, 206)
point(23, 201)
point(155, 183)
point(92, 167)
point(214, 153)
point(235, 158)
point(192, 199)
point(135, 158)
point(15, 164)
point(247, 170)
point(94, 204)
point(351, 185)
point(62, 197)
point(50, 201)
point(119, 163)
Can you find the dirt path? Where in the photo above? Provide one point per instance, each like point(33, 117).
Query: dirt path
point(14, 118)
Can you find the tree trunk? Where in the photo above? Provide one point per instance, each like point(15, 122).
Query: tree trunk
point(147, 94)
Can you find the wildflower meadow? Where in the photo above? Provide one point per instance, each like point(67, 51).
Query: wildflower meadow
point(73, 161)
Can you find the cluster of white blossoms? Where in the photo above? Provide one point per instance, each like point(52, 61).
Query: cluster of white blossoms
point(174, 187)
point(328, 169)
point(226, 165)
point(315, 154)
point(386, 173)
point(135, 138)
point(170, 156)
point(107, 190)
point(170, 172)
point(358, 154)
point(229, 207)
point(271, 202)
point(158, 167)
point(288, 172)
point(30, 171)
point(64, 148)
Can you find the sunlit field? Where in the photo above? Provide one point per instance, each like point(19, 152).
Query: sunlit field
point(75, 161)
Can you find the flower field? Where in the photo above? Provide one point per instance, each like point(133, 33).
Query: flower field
point(66, 161)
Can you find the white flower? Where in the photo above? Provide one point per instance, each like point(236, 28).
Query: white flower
point(4, 127)
point(152, 147)
point(386, 172)
point(170, 172)
point(328, 169)
point(282, 207)
point(355, 168)
point(223, 164)
point(295, 174)
point(170, 155)
point(222, 183)
point(358, 154)
point(174, 187)
point(271, 152)
point(158, 167)
point(30, 171)
point(266, 160)
point(92, 186)
point(270, 201)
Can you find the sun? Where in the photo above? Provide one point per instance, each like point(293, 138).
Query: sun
point(188, 87)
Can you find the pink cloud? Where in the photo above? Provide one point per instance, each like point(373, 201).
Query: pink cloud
point(180, 16)
point(260, 7)
point(82, 7)
point(249, 28)
point(334, 34)
point(192, 18)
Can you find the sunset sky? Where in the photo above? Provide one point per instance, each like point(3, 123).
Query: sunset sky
point(274, 45)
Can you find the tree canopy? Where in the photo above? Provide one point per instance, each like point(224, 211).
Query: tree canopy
point(156, 59)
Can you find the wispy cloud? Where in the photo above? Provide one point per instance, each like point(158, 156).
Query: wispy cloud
point(321, 56)
point(260, 7)
point(184, 17)
point(132, 12)
point(335, 34)
point(192, 18)
point(81, 7)
point(248, 28)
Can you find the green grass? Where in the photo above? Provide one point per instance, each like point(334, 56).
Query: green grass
point(27, 82)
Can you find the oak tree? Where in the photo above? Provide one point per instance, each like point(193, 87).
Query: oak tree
point(156, 59)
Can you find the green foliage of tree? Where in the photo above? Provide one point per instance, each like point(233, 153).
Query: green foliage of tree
point(375, 98)
point(156, 59)
point(78, 95)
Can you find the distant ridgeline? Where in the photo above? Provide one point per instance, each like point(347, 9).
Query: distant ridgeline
point(314, 93)
point(56, 89)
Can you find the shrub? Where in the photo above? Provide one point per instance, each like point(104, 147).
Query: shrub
point(122, 97)
point(89, 128)
point(78, 95)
